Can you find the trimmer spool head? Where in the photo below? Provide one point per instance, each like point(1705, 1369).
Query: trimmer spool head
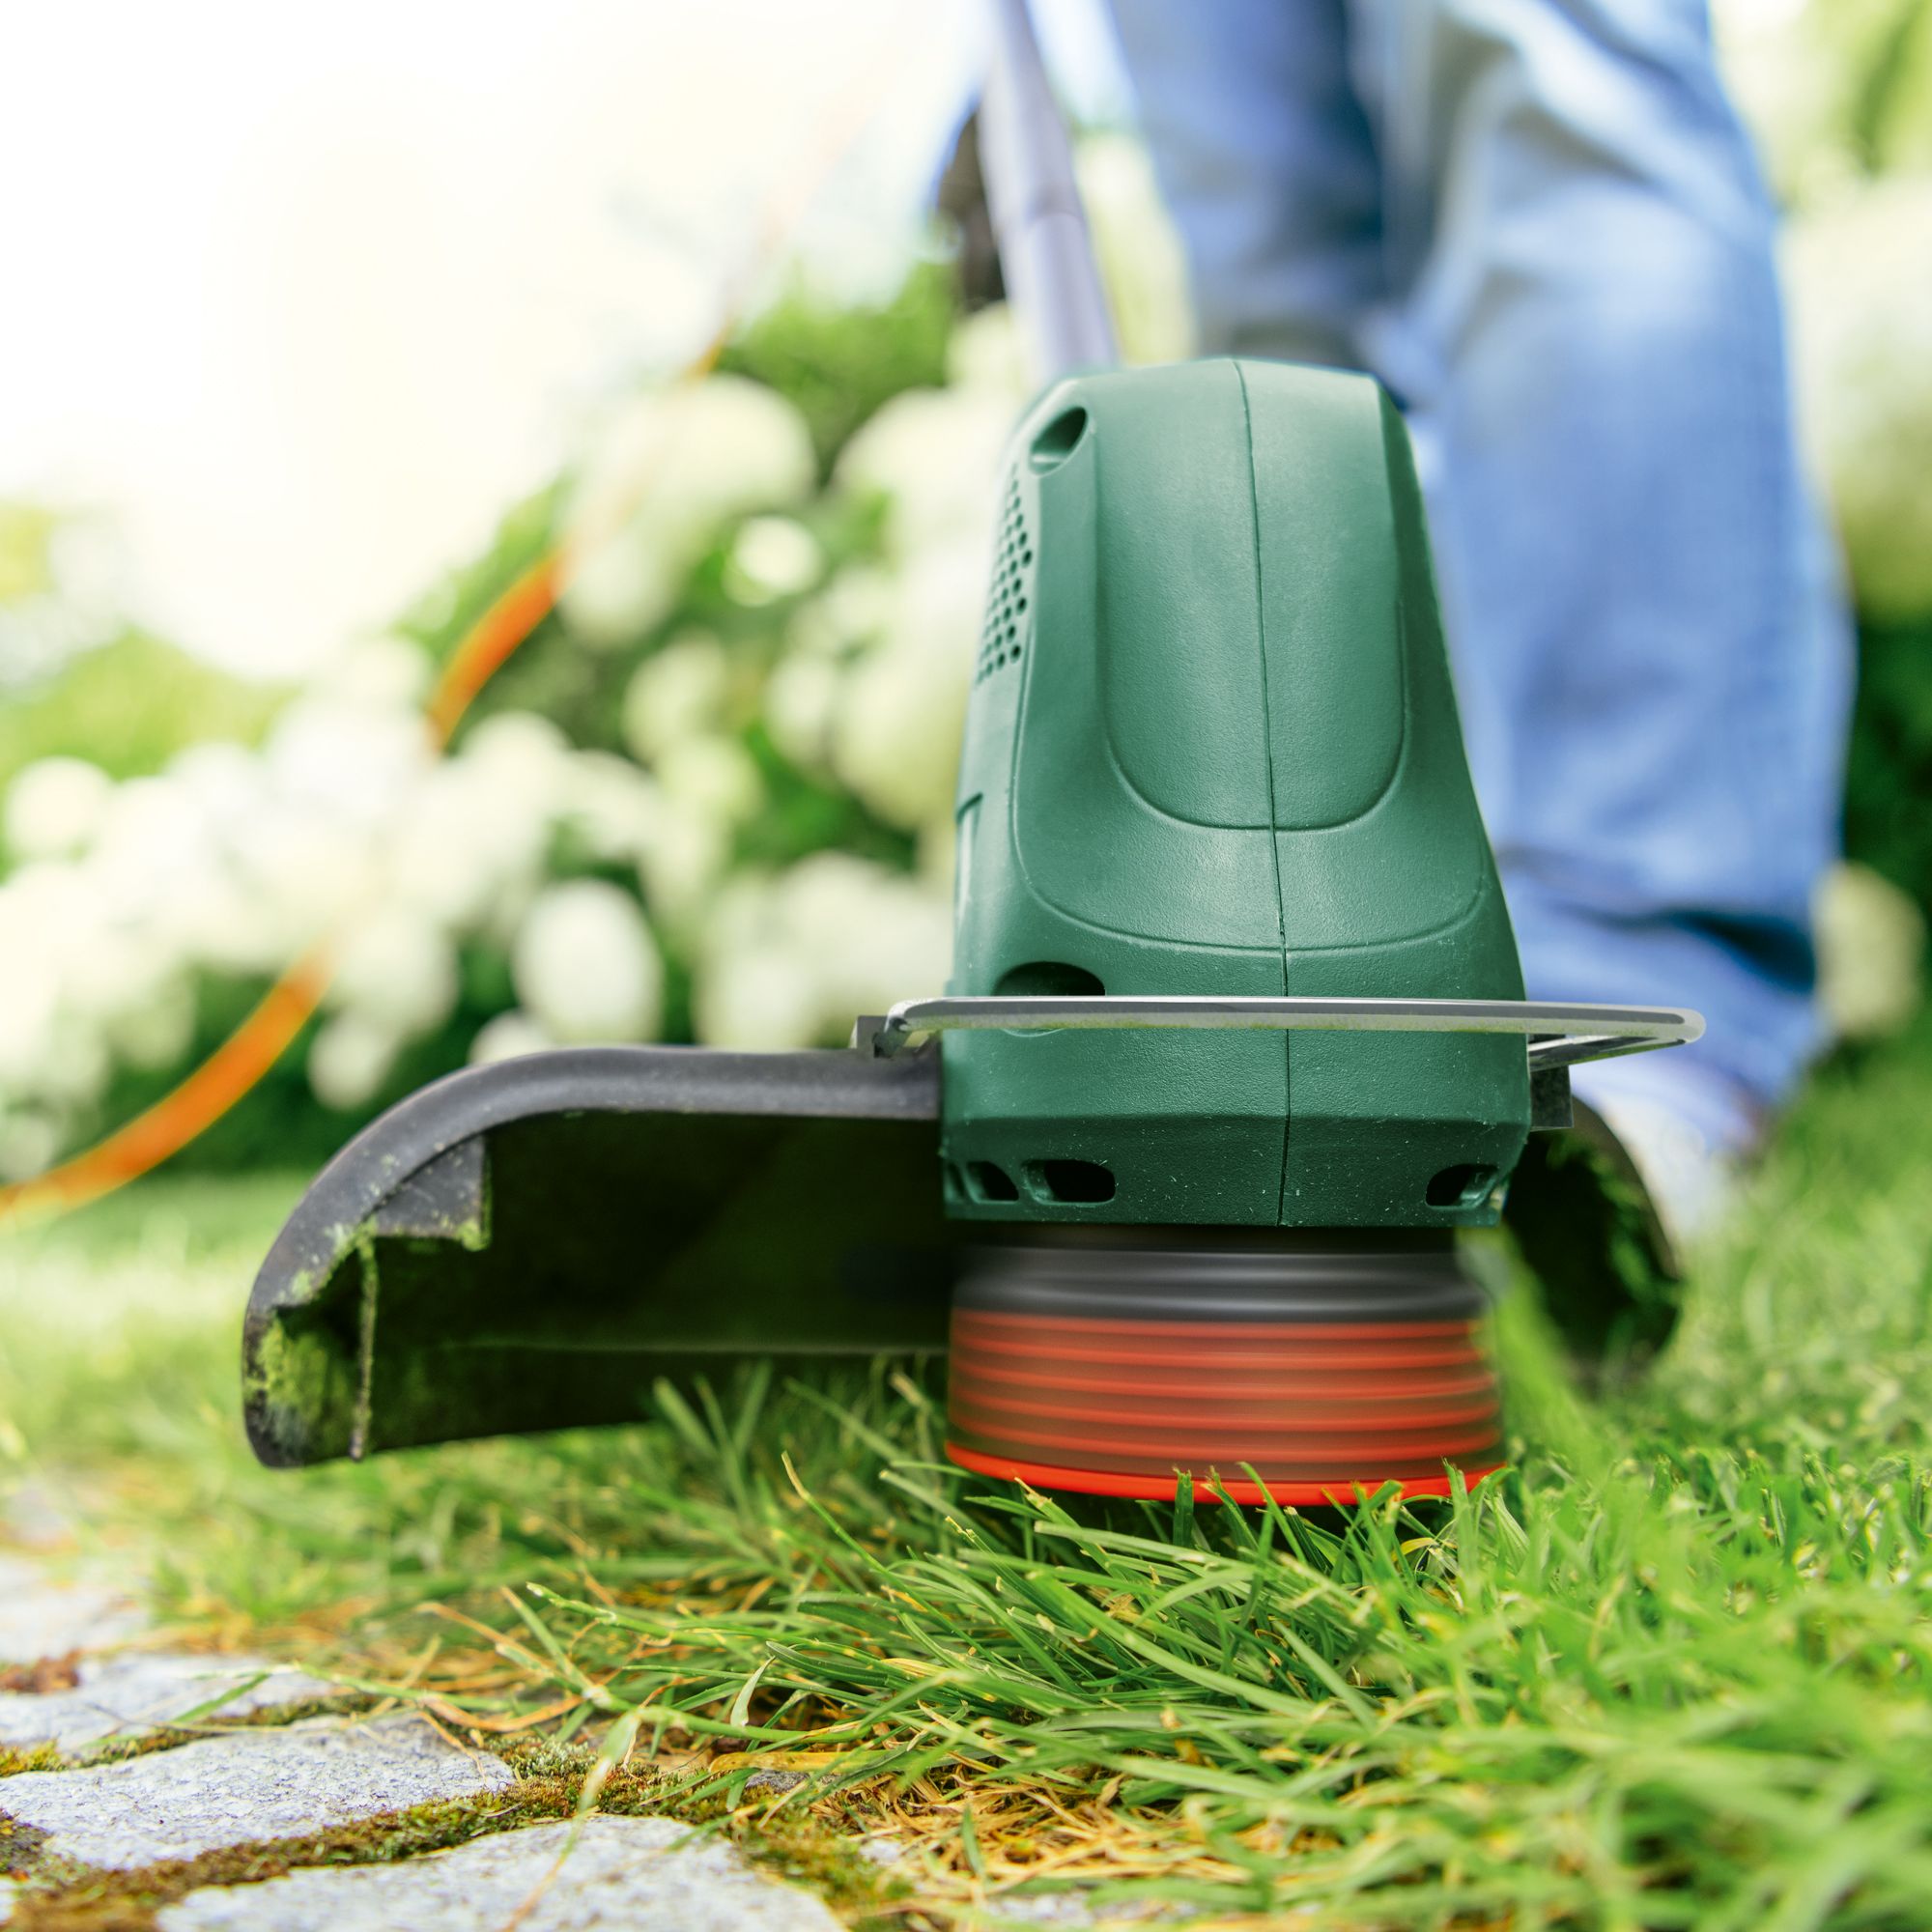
point(1306, 1368)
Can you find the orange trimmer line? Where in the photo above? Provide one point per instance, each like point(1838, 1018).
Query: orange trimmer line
point(487, 646)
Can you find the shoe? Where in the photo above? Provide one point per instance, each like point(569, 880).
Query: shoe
point(1605, 1212)
point(1690, 1134)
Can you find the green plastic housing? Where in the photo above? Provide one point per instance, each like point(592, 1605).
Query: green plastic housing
point(1212, 748)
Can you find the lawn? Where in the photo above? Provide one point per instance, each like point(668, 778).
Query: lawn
point(1674, 1668)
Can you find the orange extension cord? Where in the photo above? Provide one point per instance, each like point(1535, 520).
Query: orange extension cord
point(235, 1066)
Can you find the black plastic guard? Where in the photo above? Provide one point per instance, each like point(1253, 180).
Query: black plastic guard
point(527, 1246)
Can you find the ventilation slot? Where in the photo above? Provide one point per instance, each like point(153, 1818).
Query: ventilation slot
point(1460, 1187)
point(1051, 978)
point(1072, 1183)
point(990, 1181)
point(1010, 599)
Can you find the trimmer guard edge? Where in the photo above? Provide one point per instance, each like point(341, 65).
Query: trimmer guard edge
point(527, 1246)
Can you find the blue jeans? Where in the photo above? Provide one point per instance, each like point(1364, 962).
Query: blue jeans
point(1541, 224)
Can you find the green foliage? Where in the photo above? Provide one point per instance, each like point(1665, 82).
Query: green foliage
point(1673, 1670)
point(803, 815)
point(440, 619)
point(130, 705)
point(839, 364)
point(1886, 47)
point(1889, 775)
point(26, 535)
point(580, 688)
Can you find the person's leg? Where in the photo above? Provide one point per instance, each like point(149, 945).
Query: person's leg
point(1261, 149)
point(1584, 322)
point(1550, 240)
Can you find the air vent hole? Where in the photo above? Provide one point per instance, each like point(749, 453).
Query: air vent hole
point(1058, 439)
point(1074, 1182)
point(990, 1181)
point(1050, 979)
point(1460, 1186)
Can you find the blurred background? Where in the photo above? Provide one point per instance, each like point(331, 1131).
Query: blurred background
point(329, 329)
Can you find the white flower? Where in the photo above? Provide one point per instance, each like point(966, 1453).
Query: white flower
point(87, 559)
point(674, 693)
point(772, 557)
point(349, 1058)
point(626, 585)
point(987, 353)
point(386, 674)
point(940, 605)
point(508, 1037)
point(715, 776)
point(902, 707)
point(460, 844)
point(154, 840)
point(1871, 954)
point(610, 805)
point(911, 954)
point(766, 1001)
point(303, 870)
point(874, 936)
point(522, 753)
point(398, 970)
point(1138, 249)
point(934, 454)
point(355, 760)
point(827, 903)
point(758, 985)
point(851, 611)
point(791, 961)
point(586, 966)
point(227, 784)
point(469, 840)
point(111, 969)
point(213, 920)
point(54, 806)
point(896, 736)
point(47, 911)
point(685, 850)
point(29, 1141)
point(29, 993)
point(1862, 331)
point(155, 1035)
point(800, 698)
point(74, 1065)
point(673, 467)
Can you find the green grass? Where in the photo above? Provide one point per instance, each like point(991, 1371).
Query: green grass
point(1673, 1670)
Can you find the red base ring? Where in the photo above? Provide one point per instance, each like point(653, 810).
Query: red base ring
point(1306, 1411)
point(1158, 1489)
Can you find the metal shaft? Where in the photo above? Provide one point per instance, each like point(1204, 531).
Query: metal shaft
point(1046, 254)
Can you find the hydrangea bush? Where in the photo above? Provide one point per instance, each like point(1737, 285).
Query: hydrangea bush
point(1838, 93)
point(710, 799)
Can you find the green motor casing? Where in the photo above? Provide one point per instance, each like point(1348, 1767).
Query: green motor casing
point(1213, 747)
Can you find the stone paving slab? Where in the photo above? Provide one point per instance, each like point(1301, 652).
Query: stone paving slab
point(248, 1786)
point(41, 1618)
point(1072, 1910)
point(623, 1875)
point(137, 1693)
point(35, 1514)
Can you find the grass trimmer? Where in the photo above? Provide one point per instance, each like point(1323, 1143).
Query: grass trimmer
point(1235, 1043)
